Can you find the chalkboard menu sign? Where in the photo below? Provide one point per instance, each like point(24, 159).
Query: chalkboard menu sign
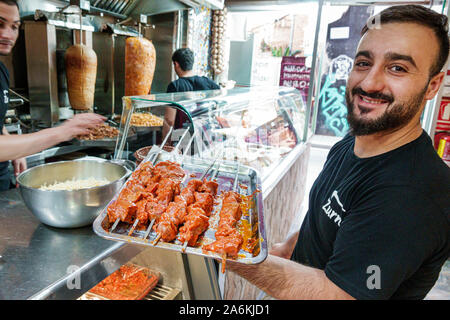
point(294, 73)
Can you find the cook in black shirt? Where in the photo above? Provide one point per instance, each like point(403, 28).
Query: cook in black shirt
point(16, 147)
point(9, 29)
point(183, 62)
point(377, 225)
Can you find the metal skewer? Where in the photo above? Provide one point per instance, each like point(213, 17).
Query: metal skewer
point(147, 157)
point(161, 148)
point(212, 164)
point(114, 225)
point(149, 229)
point(236, 178)
point(133, 227)
point(185, 244)
point(155, 242)
point(175, 150)
point(188, 147)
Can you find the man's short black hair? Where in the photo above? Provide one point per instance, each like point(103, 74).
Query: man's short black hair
point(185, 57)
point(11, 3)
point(414, 13)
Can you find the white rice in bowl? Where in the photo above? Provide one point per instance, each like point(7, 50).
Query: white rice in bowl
point(75, 184)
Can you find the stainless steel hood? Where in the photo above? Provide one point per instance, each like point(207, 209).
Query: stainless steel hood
point(118, 8)
point(134, 8)
point(121, 9)
point(154, 7)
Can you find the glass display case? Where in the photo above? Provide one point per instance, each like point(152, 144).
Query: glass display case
point(256, 126)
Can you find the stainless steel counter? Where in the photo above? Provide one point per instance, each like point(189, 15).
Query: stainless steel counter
point(41, 262)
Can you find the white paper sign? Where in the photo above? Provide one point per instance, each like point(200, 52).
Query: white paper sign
point(340, 33)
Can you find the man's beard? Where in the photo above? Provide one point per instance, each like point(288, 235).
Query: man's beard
point(394, 117)
point(6, 42)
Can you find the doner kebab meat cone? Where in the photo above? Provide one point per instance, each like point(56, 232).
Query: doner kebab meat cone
point(81, 70)
point(140, 61)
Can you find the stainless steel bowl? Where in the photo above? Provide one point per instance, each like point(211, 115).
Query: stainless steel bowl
point(76, 208)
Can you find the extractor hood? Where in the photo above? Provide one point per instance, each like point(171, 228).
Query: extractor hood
point(212, 4)
point(121, 9)
point(115, 7)
point(154, 7)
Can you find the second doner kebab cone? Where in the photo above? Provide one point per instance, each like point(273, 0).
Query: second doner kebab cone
point(140, 61)
point(81, 71)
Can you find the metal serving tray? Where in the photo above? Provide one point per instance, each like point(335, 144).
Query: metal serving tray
point(105, 142)
point(249, 184)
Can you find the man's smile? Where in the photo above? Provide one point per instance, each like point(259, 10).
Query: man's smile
point(366, 104)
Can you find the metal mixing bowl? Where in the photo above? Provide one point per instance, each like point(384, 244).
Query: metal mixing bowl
point(76, 208)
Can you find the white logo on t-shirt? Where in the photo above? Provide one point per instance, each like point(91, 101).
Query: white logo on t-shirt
point(5, 96)
point(334, 208)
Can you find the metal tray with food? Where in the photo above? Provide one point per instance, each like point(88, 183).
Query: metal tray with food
point(229, 176)
point(144, 122)
point(102, 136)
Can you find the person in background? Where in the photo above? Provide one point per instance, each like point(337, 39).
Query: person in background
point(183, 62)
point(17, 147)
point(377, 226)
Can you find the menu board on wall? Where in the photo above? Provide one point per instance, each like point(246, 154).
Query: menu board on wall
point(294, 73)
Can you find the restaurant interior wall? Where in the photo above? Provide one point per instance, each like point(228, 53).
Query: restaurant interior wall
point(268, 33)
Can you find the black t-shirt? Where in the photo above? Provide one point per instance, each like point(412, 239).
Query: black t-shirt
point(195, 83)
point(379, 227)
point(4, 100)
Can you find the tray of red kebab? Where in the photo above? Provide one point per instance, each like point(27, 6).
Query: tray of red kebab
point(195, 206)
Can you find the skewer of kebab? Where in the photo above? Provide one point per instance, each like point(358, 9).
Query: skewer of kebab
point(228, 239)
point(197, 219)
point(124, 208)
point(167, 227)
point(176, 212)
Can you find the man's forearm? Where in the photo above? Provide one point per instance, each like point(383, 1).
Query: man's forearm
point(285, 279)
point(17, 146)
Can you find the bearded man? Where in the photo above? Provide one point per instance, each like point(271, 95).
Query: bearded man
point(377, 225)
